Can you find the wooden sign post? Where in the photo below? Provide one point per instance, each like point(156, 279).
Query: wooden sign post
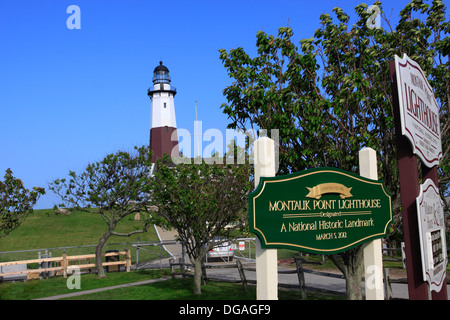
point(266, 259)
point(417, 129)
point(373, 254)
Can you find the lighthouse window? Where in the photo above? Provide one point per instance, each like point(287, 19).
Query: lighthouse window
point(164, 104)
point(166, 128)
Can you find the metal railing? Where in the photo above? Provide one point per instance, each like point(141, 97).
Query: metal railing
point(162, 247)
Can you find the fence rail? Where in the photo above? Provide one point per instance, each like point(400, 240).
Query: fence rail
point(299, 270)
point(64, 266)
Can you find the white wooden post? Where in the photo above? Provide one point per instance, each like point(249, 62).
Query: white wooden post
point(266, 259)
point(373, 255)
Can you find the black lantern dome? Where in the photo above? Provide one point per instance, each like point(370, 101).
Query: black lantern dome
point(161, 74)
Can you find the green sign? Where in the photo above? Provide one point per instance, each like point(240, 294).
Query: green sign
point(323, 211)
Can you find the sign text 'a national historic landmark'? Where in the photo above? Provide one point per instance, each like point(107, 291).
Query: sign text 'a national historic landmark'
point(323, 211)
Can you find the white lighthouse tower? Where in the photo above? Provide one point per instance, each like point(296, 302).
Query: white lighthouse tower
point(163, 123)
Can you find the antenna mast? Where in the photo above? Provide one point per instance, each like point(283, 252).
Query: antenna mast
point(197, 133)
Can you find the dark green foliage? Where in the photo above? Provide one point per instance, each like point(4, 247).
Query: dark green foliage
point(16, 202)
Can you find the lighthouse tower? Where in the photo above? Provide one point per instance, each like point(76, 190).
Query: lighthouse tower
point(163, 136)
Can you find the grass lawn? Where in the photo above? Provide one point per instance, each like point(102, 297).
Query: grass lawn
point(178, 289)
point(57, 230)
point(45, 229)
point(172, 289)
point(33, 289)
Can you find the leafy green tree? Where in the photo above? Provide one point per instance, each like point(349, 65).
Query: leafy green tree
point(16, 202)
point(202, 202)
point(114, 188)
point(331, 96)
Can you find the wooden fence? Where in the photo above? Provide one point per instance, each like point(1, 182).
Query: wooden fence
point(65, 264)
point(299, 270)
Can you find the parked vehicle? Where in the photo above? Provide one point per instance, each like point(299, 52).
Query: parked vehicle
point(223, 251)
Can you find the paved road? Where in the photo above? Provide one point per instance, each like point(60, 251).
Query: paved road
point(169, 235)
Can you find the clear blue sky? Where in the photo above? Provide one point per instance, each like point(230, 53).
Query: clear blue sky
point(71, 96)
